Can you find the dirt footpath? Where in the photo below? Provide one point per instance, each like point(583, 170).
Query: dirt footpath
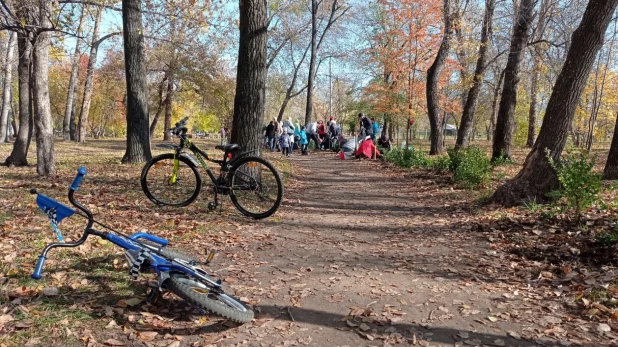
point(366, 257)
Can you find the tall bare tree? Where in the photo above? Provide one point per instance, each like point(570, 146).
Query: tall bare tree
point(19, 154)
point(467, 118)
point(250, 75)
point(6, 90)
point(537, 177)
point(46, 159)
point(436, 120)
point(336, 11)
point(69, 111)
point(506, 113)
point(94, 47)
point(538, 50)
point(138, 134)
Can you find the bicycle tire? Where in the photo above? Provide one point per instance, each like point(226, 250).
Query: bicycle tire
point(199, 294)
point(235, 179)
point(171, 253)
point(157, 200)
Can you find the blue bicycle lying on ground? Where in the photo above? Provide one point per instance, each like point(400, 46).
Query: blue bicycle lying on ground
point(176, 271)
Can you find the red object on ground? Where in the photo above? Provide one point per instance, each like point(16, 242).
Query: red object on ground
point(367, 148)
point(341, 155)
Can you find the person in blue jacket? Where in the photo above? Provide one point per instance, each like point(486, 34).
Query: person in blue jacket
point(375, 127)
point(304, 142)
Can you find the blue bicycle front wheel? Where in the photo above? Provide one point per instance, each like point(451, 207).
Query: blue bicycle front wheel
point(200, 294)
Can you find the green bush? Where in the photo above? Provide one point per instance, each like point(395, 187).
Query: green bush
point(441, 163)
point(470, 166)
point(501, 160)
point(580, 186)
point(407, 158)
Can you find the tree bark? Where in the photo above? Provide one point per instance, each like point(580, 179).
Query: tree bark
point(494, 104)
point(467, 118)
point(92, 59)
point(534, 89)
point(69, 111)
point(436, 122)
point(138, 132)
point(537, 177)
point(250, 75)
point(19, 154)
point(537, 65)
point(153, 125)
point(46, 160)
point(6, 90)
point(611, 166)
point(312, 58)
point(169, 103)
point(506, 113)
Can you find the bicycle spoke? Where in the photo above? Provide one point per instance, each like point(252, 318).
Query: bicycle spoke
point(255, 187)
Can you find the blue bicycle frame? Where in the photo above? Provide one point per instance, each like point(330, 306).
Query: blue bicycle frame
point(162, 265)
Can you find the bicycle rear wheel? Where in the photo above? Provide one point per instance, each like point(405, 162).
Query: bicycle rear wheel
point(171, 181)
point(200, 294)
point(256, 187)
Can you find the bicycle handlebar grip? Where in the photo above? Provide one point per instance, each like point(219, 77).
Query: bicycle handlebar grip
point(81, 172)
point(38, 270)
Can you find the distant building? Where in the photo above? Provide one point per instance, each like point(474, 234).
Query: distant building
point(450, 130)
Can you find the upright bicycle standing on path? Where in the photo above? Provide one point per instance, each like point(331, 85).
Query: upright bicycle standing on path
point(253, 183)
point(176, 271)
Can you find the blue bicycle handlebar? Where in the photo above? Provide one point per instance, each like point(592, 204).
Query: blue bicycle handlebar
point(81, 172)
point(38, 270)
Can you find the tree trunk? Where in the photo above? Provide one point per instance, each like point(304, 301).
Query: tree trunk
point(467, 118)
point(436, 122)
point(289, 93)
point(537, 65)
point(494, 104)
point(537, 177)
point(14, 111)
point(611, 166)
point(46, 160)
point(506, 113)
point(312, 58)
point(6, 90)
point(19, 155)
point(153, 125)
point(598, 92)
point(138, 132)
point(72, 91)
point(250, 75)
point(92, 59)
point(168, 103)
point(534, 88)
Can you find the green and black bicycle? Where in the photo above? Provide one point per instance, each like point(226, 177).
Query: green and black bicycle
point(172, 179)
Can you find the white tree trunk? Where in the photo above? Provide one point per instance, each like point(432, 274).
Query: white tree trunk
point(6, 92)
point(83, 115)
point(46, 161)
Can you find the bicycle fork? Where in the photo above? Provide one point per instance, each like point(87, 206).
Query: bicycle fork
point(174, 177)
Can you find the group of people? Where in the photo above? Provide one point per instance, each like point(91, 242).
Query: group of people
point(288, 136)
